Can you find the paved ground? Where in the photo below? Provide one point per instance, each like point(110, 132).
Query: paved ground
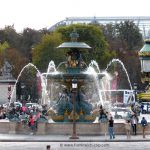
point(62, 142)
point(66, 138)
point(75, 145)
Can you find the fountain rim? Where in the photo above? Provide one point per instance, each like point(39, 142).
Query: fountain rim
point(80, 45)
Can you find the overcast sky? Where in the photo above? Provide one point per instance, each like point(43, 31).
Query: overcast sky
point(38, 14)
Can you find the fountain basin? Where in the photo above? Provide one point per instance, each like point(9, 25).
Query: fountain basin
point(66, 128)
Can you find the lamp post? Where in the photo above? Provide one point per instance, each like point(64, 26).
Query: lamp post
point(135, 90)
point(22, 91)
point(74, 88)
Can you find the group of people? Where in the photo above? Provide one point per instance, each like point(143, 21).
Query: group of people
point(107, 123)
point(28, 116)
point(133, 124)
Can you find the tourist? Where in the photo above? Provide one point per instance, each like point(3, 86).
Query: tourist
point(24, 109)
point(111, 128)
point(103, 120)
point(32, 123)
point(48, 147)
point(144, 124)
point(134, 122)
point(128, 129)
point(142, 108)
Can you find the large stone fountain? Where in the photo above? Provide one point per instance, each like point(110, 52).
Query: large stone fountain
point(75, 74)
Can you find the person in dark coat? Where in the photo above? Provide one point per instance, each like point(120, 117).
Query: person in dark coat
point(111, 128)
point(144, 124)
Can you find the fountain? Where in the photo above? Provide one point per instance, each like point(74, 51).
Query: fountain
point(61, 91)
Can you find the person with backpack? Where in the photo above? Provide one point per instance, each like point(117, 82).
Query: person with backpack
point(143, 124)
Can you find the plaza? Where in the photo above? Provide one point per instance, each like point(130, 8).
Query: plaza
point(76, 104)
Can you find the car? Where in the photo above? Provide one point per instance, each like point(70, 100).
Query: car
point(16, 104)
point(31, 105)
point(121, 113)
point(146, 107)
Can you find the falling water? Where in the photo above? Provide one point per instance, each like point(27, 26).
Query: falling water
point(94, 63)
point(28, 65)
point(91, 70)
point(125, 70)
point(50, 70)
point(64, 62)
point(51, 67)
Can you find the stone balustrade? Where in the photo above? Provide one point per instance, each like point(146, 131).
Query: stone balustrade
point(65, 128)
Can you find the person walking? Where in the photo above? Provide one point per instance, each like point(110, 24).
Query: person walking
point(32, 124)
point(128, 129)
point(111, 128)
point(144, 124)
point(134, 122)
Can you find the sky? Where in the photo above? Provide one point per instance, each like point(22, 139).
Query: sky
point(38, 14)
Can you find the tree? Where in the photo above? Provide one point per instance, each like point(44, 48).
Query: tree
point(29, 38)
point(110, 34)
point(18, 63)
point(93, 36)
point(129, 34)
point(46, 51)
point(3, 47)
point(10, 35)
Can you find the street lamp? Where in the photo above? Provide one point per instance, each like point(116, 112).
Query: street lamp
point(135, 90)
point(74, 90)
point(22, 91)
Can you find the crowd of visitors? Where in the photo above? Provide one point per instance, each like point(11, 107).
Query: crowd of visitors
point(107, 123)
point(29, 116)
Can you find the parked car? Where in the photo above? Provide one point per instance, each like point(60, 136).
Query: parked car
point(18, 104)
point(146, 107)
point(121, 113)
point(31, 105)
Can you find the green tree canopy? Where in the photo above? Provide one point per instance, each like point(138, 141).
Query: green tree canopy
point(3, 47)
point(46, 51)
point(129, 34)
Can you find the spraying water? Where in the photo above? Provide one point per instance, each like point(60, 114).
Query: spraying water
point(124, 68)
point(95, 64)
point(27, 66)
point(91, 70)
point(64, 62)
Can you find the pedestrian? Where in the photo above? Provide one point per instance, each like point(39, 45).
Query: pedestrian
point(104, 121)
point(144, 124)
point(134, 122)
point(128, 129)
point(142, 108)
point(111, 128)
point(32, 123)
point(48, 147)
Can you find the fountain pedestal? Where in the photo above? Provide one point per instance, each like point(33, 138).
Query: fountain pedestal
point(41, 129)
point(12, 127)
